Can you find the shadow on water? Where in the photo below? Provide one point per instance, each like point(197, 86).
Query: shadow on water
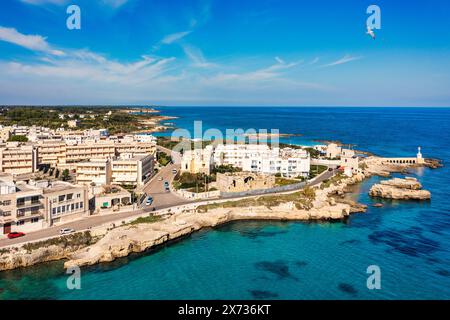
point(348, 288)
point(280, 268)
point(263, 294)
point(410, 242)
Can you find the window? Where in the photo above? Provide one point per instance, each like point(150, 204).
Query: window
point(77, 205)
point(72, 206)
point(20, 222)
point(81, 205)
point(59, 209)
point(54, 211)
point(61, 198)
point(63, 209)
point(34, 220)
point(6, 213)
point(34, 199)
point(70, 196)
point(7, 202)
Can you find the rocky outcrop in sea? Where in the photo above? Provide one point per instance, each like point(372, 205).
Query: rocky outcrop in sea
point(401, 189)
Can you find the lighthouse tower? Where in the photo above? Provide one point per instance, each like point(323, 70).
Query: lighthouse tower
point(419, 156)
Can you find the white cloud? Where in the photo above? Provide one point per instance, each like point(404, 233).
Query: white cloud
point(31, 42)
point(196, 56)
point(279, 60)
point(345, 59)
point(174, 37)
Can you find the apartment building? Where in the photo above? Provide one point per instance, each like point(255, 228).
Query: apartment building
point(61, 152)
point(65, 202)
point(85, 151)
point(288, 162)
point(52, 153)
point(257, 158)
point(132, 169)
point(134, 147)
point(234, 154)
point(21, 207)
point(5, 134)
point(18, 159)
point(96, 171)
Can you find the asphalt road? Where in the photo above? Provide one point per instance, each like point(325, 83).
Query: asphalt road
point(154, 188)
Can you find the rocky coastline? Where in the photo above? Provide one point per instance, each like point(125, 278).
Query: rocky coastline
point(400, 189)
point(106, 244)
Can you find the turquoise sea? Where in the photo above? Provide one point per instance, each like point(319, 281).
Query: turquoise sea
point(409, 241)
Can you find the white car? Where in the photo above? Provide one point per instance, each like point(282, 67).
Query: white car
point(160, 179)
point(66, 231)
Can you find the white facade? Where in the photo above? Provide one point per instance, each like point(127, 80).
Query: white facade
point(288, 162)
point(257, 158)
point(132, 170)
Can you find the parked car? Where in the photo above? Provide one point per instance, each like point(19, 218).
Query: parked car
point(174, 171)
point(66, 231)
point(149, 201)
point(160, 178)
point(166, 184)
point(14, 235)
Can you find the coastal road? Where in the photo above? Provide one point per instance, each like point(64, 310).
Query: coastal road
point(155, 188)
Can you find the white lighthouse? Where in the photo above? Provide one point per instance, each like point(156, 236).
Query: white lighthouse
point(419, 156)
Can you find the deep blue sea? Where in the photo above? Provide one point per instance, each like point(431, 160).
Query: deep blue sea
point(409, 241)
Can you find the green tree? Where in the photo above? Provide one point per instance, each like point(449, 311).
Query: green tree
point(18, 138)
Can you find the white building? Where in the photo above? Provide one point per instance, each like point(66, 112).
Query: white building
point(333, 151)
point(132, 169)
point(349, 162)
point(96, 171)
point(257, 158)
point(234, 154)
point(288, 162)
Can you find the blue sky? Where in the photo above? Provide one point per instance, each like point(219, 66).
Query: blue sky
point(225, 52)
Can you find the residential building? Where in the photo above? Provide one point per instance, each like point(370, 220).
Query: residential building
point(73, 123)
point(18, 159)
point(52, 153)
point(85, 151)
point(287, 162)
point(112, 197)
point(65, 202)
point(132, 169)
point(333, 151)
point(234, 154)
point(21, 207)
point(5, 134)
point(96, 171)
